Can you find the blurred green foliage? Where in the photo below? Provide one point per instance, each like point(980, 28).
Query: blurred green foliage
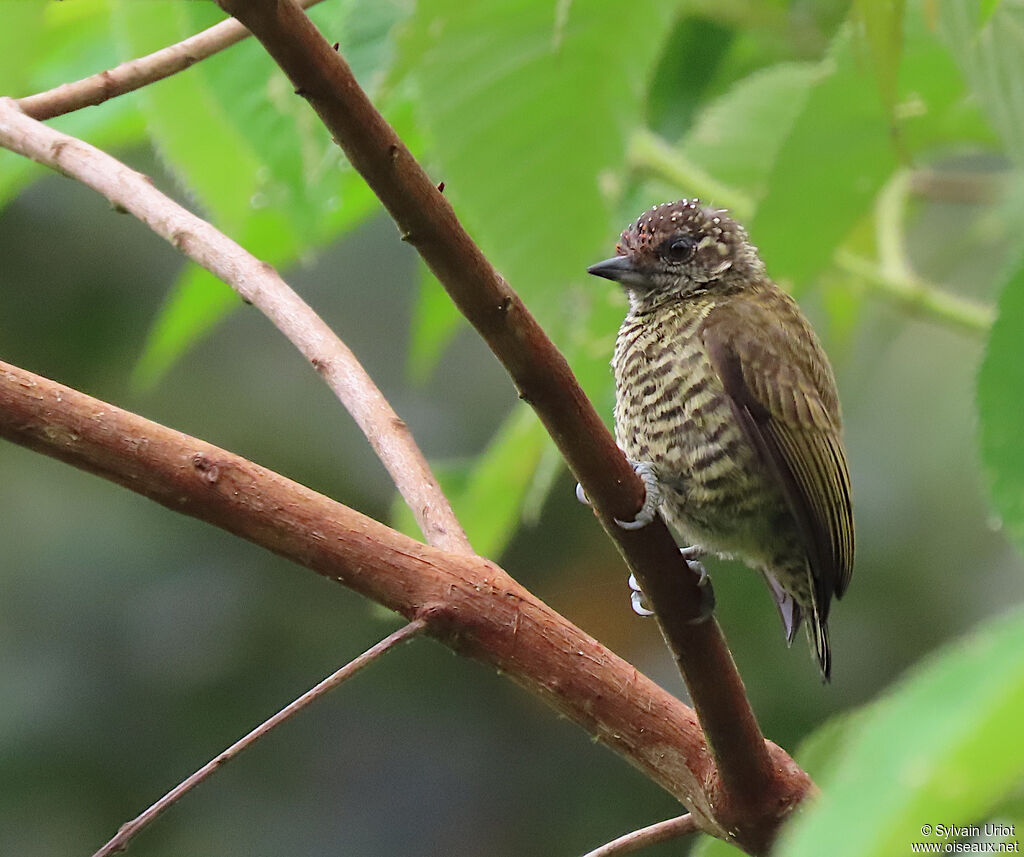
point(875, 151)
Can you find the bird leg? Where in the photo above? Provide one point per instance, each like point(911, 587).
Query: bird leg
point(691, 556)
point(707, 592)
point(652, 497)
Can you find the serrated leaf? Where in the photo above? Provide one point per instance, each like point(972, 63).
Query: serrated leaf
point(942, 746)
point(992, 60)
point(251, 153)
point(527, 106)
point(837, 156)
point(1000, 417)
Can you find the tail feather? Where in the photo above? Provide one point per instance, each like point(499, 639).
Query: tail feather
point(817, 633)
point(789, 610)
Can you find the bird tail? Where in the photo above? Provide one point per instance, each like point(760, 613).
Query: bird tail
point(817, 634)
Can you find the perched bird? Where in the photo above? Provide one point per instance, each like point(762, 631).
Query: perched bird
point(727, 406)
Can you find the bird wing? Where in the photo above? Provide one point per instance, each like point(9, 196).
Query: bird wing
point(791, 417)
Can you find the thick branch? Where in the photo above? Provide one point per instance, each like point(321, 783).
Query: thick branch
point(467, 602)
point(748, 791)
point(259, 284)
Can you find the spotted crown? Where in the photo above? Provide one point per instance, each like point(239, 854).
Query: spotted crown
point(701, 242)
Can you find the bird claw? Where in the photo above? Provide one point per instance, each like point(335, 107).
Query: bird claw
point(691, 556)
point(652, 497)
point(636, 598)
point(581, 494)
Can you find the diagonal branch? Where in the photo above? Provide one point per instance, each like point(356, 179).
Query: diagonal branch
point(749, 794)
point(131, 829)
point(259, 284)
point(467, 602)
point(136, 73)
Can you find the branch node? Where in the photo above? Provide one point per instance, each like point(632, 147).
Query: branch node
point(209, 470)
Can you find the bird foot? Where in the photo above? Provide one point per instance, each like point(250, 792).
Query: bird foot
point(581, 495)
point(652, 497)
point(691, 556)
point(636, 598)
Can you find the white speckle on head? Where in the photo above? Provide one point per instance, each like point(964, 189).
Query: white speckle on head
point(723, 250)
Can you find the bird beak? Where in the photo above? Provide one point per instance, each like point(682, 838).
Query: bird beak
point(621, 269)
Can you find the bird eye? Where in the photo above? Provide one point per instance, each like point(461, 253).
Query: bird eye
point(679, 249)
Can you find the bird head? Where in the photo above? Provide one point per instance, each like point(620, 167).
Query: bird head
point(680, 248)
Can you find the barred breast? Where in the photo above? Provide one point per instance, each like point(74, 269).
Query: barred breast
point(672, 410)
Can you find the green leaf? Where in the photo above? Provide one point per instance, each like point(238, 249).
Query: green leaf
point(20, 38)
point(692, 54)
point(435, 321)
point(986, 9)
point(737, 137)
point(836, 158)
point(250, 152)
point(1000, 415)
point(491, 503)
point(489, 496)
point(198, 301)
point(708, 846)
point(527, 106)
point(942, 746)
point(992, 60)
point(45, 45)
point(934, 109)
point(883, 26)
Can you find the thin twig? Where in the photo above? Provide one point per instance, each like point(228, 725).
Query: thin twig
point(919, 298)
point(654, 834)
point(650, 153)
point(469, 603)
point(750, 795)
point(129, 830)
point(259, 284)
point(136, 73)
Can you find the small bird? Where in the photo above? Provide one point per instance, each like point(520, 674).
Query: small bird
point(726, 405)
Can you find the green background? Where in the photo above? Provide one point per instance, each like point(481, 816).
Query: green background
point(858, 144)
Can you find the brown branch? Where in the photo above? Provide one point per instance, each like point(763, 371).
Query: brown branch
point(654, 834)
point(136, 73)
point(259, 284)
point(132, 828)
point(749, 797)
point(468, 602)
